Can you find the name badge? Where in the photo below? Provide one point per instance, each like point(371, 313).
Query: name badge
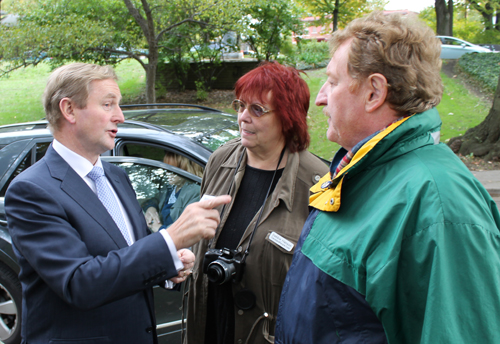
point(281, 242)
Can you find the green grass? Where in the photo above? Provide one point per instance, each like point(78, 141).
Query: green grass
point(131, 79)
point(459, 109)
point(21, 93)
point(317, 121)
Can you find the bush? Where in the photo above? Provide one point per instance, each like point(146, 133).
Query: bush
point(312, 54)
point(201, 91)
point(484, 67)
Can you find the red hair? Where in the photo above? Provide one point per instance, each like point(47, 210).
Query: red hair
point(289, 98)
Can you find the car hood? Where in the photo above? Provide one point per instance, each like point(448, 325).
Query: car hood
point(210, 128)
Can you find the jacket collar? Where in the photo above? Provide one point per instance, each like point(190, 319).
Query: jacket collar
point(73, 185)
point(397, 139)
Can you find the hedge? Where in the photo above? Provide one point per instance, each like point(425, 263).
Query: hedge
point(484, 67)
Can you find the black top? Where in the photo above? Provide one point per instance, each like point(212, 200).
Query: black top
point(248, 201)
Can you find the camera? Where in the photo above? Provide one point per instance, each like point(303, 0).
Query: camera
point(222, 265)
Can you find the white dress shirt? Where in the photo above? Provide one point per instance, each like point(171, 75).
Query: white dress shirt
point(82, 167)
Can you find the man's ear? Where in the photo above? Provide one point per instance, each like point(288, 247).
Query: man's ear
point(377, 92)
point(67, 107)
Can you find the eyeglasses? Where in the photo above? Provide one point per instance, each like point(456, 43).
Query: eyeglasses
point(255, 110)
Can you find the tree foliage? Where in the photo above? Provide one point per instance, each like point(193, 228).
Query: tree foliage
point(103, 32)
point(203, 43)
point(267, 25)
point(340, 12)
point(490, 12)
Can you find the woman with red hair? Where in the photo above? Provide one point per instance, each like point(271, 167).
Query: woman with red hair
point(238, 275)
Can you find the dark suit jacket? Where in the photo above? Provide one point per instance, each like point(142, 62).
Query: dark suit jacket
point(81, 282)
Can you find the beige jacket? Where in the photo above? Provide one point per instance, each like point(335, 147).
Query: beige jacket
point(268, 262)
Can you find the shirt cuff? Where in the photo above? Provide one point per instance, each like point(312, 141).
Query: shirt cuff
point(173, 250)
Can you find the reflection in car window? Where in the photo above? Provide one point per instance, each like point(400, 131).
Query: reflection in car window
point(148, 151)
point(40, 150)
point(167, 192)
point(142, 151)
point(20, 168)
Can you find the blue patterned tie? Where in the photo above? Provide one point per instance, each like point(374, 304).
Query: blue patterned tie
point(108, 200)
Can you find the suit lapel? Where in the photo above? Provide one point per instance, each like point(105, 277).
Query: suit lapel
point(80, 192)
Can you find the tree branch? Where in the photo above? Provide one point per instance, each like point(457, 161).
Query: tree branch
point(4, 72)
point(129, 54)
point(190, 20)
point(134, 12)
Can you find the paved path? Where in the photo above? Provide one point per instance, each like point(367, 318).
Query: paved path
point(491, 181)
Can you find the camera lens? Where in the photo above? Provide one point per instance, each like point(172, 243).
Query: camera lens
point(220, 272)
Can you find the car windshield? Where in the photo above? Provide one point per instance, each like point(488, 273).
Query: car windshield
point(208, 127)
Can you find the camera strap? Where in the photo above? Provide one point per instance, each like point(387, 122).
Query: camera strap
point(247, 250)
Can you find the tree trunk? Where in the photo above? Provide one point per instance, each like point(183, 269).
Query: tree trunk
point(444, 17)
point(486, 12)
point(483, 140)
point(151, 71)
point(151, 82)
point(450, 21)
point(147, 26)
point(336, 16)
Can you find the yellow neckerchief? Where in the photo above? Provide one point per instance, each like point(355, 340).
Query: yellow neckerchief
point(324, 196)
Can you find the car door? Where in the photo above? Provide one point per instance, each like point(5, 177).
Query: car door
point(155, 181)
point(453, 49)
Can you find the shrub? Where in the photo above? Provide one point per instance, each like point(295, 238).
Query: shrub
point(484, 67)
point(312, 54)
point(201, 91)
point(468, 30)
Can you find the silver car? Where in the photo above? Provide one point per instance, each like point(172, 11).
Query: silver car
point(453, 48)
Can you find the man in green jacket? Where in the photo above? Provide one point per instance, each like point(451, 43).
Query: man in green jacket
point(403, 243)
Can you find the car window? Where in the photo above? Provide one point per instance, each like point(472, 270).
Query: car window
point(38, 151)
point(41, 149)
point(158, 187)
point(142, 150)
point(145, 150)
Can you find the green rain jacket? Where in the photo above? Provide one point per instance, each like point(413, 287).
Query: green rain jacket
point(411, 236)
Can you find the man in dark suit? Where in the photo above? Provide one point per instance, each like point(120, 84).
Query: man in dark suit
point(87, 262)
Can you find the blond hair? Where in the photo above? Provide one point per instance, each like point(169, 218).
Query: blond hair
point(184, 163)
point(403, 49)
point(71, 81)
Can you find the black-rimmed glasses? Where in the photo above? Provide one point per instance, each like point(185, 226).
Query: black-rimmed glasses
point(255, 110)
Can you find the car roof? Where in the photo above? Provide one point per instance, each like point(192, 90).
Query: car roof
point(201, 125)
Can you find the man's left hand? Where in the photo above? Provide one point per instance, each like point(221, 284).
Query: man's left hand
point(187, 258)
